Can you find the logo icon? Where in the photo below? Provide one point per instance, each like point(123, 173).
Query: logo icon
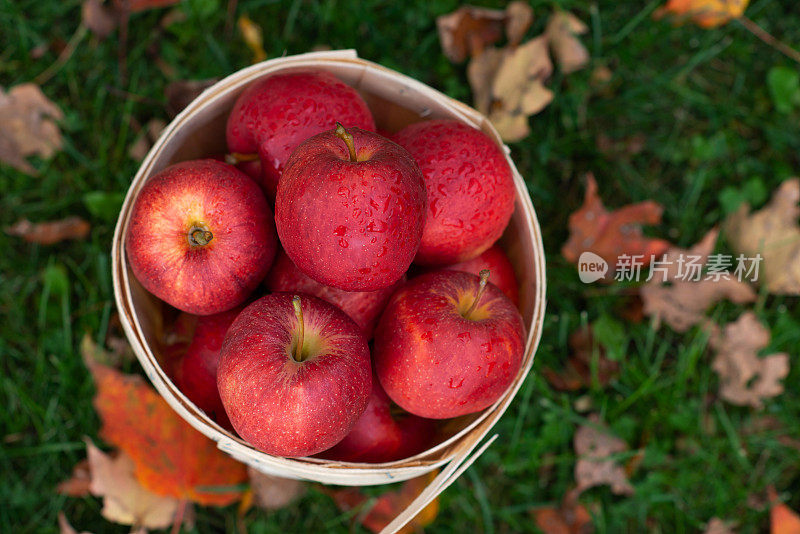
point(591, 267)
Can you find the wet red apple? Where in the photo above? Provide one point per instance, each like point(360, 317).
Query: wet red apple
point(496, 261)
point(470, 189)
point(294, 375)
point(448, 344)
point(198, 368)
point(350, 209)
point(363, 307)
point(277, 113)
point(201, 236)
point(383, 433)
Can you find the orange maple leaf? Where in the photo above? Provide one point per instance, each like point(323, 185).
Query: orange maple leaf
point(171, 457)
point(610, 234)
point(705, 13)
point(782, 519)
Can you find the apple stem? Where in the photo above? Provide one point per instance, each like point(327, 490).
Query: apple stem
point(200, 237)
point(298, 312)
point(234, 158)
point(345, 136)
point(484, 274)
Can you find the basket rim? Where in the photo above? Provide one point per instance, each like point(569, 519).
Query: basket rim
point(315, 468)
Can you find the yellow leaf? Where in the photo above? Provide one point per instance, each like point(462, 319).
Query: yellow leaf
point(253, 37)
point(705, 13)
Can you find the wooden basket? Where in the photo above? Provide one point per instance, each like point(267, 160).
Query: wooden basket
point(395, 100)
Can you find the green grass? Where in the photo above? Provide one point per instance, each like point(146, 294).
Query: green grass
point(712, 131)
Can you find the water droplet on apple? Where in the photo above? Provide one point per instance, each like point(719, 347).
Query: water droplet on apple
point(456, 386)
point(427, 336)
point(340, 230)
point(377, 226)
point(465, 337)
point(344, 243)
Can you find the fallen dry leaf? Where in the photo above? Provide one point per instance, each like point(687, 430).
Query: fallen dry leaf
point(577, 372)
point(468, 30)
point(27, 126)
point(570, 517)
point(718, 526)
point(508, 85)
point(519, 17)
point(390, 505)
point(253, 37)
point(64, 527)
point(782, 519)
point(773, 233)
point(273, 493)
point(181, 93)
point(100, 18)
point(593, 445)
point(746, 377)
point(78, 484)
point(171, 458)
point(683, 303)
point(611, 234)
point(50, 232)
point(705, 13)
point(125, 500)
point(562, 30)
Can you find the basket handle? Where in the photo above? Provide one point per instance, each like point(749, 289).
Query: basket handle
point(449, 474)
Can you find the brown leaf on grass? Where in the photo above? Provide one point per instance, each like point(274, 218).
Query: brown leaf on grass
point(64, 527)
point(746, 377)
point(705, 13)
point(773, 233)
point(273, 493)
point(682, 303)
point(519, 17)
point(390, 505)
point(253, 37)
point(27, 126)
point(570, 517)
point(610, 234)
point(100, 18)
point(782, 519)
point(181, 93)
point(562, 30)
point(508, 85)
point(50, 232)
point(718, 526)
point(594, 445)
point(468, 30)
point(125, 500)
point(577, 372)
point(78, 484)
point(171, 458)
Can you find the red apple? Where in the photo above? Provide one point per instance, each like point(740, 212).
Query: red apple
point(350, 209)
point(448, 344)
point(363, 307)
point(294, 375)
point(470, 189)
point(201, 236)
point(384, 433)
point(496, 261)
point(198, 370)
point(277, 113)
